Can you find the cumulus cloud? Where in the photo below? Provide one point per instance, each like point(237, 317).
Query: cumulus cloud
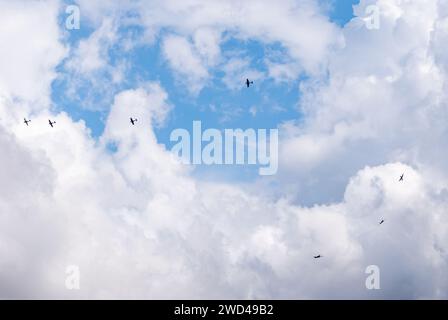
point(29, 34)
point(300, 26)
point(184, 59)
point(139, 224)
point(91, 54)
point(381, 102)
point(302, 29)
point(91, 76)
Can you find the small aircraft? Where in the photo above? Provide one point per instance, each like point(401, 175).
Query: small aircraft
point(133, 121)
point(401, 177)
point(248, 83)
point(26, 121)
point(317, 257)
point(382, 221)
point(51, 123)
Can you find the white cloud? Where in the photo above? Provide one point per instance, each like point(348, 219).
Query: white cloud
point(283, 72)
point(30, 50)
point(91, 54)
point(301, 27)
point(138, 224)
point(207, 42)
point(149, 227)
point(183, 59)
point(91, 70)
point(380, 103)
point(191, 60)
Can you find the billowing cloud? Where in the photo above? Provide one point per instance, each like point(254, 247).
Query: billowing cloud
point(306, 35)
point(384, 100)
point(184, 60)
point(300, 26)
point(30, 50)
point(137, 223)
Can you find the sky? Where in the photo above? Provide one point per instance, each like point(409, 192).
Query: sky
point(355, 108)
point(217, 99)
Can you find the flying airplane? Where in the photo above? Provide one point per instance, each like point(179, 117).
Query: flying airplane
point(248, 83)
point(317, 257)
point(51, 123)
point(133, 121)
point(382, 221)
point(26, 121)
point(401, 177)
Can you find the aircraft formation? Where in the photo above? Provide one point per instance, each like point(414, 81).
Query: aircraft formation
point(27, 122)
point(133, 121)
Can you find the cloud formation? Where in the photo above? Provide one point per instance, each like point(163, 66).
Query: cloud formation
point(141, 225)
point(31, 50)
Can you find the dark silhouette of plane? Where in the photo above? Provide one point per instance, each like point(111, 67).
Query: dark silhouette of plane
point(317, 257)
point(401, 177)
point(248, 83)
point(26, 121)
point(133, 121)
point(382, 221)
point(51, 123)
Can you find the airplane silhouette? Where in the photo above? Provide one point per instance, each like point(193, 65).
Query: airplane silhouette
point(26, 121)
point(401, 177)
point(382, 221)
point(133, 121)
point(317, 257)
point(51, 123)
point(248, 83)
